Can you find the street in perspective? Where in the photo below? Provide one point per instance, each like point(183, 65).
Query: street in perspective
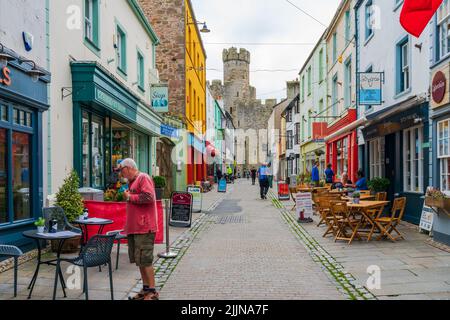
point(196, 151)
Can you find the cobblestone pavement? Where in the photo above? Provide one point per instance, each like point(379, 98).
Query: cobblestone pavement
point(409, 269)
point(244, 249)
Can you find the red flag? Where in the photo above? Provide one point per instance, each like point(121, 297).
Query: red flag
point(416, 14)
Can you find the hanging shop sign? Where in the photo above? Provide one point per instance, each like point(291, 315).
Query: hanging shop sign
point(439, 87)
point(169, 131)
point(370, 86)
point(181, 209)
point(5, 78)
point(159, 96)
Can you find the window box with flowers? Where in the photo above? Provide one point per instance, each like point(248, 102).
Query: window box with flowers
point(435, 198)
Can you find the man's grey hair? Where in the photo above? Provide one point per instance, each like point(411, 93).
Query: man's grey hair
point(130, 163)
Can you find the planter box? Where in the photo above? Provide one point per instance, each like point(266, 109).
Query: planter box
point(438, 203)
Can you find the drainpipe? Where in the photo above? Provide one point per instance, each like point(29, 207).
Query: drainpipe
point(49, 148)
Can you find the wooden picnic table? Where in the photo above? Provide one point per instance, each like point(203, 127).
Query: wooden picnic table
point(367, 209)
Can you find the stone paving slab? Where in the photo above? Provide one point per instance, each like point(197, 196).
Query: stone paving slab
point(410, 268)
point(256, 260)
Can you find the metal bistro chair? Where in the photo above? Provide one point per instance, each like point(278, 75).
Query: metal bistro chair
point(95, 253)
point(118, 237)
point(12, 252)
point(57, 213)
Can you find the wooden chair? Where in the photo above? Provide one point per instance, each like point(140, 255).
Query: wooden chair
point(381, 196)
point(347, 226)
point(368, 225)
point(364, 192)
point(389, 224)
point(323, 207)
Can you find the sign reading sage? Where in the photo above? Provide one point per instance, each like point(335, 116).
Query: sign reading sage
point(370, 88)
point(159, 95)
point(181, 209)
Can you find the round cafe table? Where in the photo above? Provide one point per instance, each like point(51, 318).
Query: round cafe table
point(61, 237)
point(101, 223)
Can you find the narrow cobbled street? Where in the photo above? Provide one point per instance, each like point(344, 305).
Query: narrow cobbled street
point(247, 251)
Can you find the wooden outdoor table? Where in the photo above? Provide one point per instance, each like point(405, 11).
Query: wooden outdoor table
point(363, 197)
point(311, 189)
point(363, 208)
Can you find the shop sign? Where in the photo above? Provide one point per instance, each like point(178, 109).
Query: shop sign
point(426, 219)
point(283, 191)
point(370, 88)
point(196, 192)
point(181, 209)
point(169, 131)
point(5, 78)
point(304, 205)
point(439, 87)
point(159, 96)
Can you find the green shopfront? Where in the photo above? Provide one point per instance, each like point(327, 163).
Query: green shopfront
point(110, 123)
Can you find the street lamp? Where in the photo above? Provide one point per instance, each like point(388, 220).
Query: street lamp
point(4, 56)
point(204, 29)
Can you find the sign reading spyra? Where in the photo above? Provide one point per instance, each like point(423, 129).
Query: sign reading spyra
point(370, 86)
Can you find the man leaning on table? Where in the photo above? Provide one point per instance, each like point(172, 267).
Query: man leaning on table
point(141, 225)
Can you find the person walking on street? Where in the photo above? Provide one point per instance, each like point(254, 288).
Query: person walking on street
point(270, 175)
point(263, 181)
point(329, 174)
point(253, 174)
point(315, 177)
point(219, 175)
point(140, 226)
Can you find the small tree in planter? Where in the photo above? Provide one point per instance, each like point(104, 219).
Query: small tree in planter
point(378, 184)
point(160, 184)
point(70, 199)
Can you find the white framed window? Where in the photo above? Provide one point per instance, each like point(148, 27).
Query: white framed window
point(88, 19)
point(405, 65)
point(376, 158)
point(413, 159)
point(443, 25)
point(443, 135)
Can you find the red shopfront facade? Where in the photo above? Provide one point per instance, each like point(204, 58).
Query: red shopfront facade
point(342, 149)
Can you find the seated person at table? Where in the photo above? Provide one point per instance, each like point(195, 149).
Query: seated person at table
point(344, 183)
point(361, 184)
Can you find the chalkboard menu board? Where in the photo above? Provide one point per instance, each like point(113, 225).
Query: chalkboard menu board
point(181, 209)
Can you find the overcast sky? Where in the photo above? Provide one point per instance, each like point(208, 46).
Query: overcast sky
point(263, 21)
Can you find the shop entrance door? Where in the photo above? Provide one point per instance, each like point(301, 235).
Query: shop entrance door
point(390, 160)
point(164, 152)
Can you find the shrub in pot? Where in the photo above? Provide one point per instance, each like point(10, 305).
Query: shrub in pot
point(378, 185)
point(356, 197)
point(70, 199)
point(160, 184)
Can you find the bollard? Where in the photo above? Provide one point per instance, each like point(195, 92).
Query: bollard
point(168, 254)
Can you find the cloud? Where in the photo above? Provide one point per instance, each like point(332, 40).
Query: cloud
point(263, 21)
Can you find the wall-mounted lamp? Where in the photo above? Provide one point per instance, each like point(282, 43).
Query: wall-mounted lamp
point(34, 73)
point(204, 29)
point(4, 56)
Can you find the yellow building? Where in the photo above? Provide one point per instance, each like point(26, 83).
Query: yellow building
point(195, 95)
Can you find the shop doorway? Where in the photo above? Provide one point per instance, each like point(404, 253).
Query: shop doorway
point(164, 149)
point(390, 161)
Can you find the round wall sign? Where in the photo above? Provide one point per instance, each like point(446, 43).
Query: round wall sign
point(439, 87)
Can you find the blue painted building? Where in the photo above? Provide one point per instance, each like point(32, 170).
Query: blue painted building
point(23, 102)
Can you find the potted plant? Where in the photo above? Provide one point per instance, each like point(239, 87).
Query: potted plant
point(378, 184)
point(40, 224)
point(70, 199)
point(436, 198)
point(160, 184)
point(356, 197)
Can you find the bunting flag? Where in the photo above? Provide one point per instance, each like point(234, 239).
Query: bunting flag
point(416, 14)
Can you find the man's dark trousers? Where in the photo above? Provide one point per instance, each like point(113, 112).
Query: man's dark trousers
point(253, 180)
point(264, 187)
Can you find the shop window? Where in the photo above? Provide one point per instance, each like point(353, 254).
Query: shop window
point(443, 23)
point(97, 152)
point(85, 151)
point(3, 113)
point(3, 177)
point(376, 158)
point(22, 118)
point(21, 171)
point(413, 160)
point(443, 135)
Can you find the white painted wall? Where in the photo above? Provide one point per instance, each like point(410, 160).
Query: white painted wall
point(17, 16)
point(380, 52)
point(210, 116)
point(69, 43)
